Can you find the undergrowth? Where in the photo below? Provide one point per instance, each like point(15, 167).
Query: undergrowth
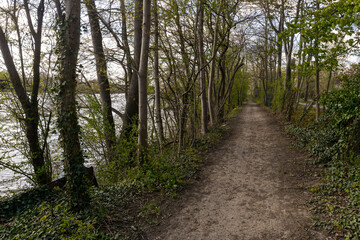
point(333, 141)
point(119, 209)
point(337, 201)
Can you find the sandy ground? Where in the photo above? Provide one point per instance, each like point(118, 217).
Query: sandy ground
point(253, 186)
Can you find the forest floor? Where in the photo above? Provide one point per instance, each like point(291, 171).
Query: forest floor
point(254, 185)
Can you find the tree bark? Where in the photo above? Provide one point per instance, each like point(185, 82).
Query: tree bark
point(158, 117)
point(317, 68)
point(204, 110)
point(131, 116)
point(143, 68)
point(212, 73)
point(185, 58)
point(103, 81)
point(75, 170)
point(124, 38)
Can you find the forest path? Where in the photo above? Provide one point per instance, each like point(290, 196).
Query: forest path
point(253, 186)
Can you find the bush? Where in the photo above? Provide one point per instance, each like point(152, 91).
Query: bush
point(336, 133)
point(334, 139)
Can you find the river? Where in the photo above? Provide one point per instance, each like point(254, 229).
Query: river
point(12, 139)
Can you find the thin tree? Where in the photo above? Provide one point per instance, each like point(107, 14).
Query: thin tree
point(103, 81)
point(156, 75)
point(204, 109)
point(29, 104)
point(143, 69)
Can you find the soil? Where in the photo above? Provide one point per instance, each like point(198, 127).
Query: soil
point(253, 186)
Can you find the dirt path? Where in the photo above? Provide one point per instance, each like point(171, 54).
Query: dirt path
point(252, 188)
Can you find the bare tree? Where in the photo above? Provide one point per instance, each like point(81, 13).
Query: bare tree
point(29, 104)
point(156, 75)
point(204, 109)
point(143, 69)
point(103, 81)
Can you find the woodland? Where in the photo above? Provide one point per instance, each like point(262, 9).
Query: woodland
point(109, 106)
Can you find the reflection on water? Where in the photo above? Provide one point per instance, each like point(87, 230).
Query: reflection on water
point(12, 142)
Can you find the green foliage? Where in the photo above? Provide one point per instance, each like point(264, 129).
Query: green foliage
point(332, 136)
point(4, 79)
point(278, 95)
point(19, 203)
point(338, 199)
point(334, 139)
point(240, 88)
point(164, 170)
point(120, 207)
point(51, 220)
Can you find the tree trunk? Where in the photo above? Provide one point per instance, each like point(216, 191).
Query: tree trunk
point(131, 115)
point(143, 68)
point(158, 117)
point(317, 68)
point(204, 110)
point(221, 95)
point(68, 121)
point(185, 58)
point(329, 80)
point(212, 73)
point(103, 81)
point(124, 38)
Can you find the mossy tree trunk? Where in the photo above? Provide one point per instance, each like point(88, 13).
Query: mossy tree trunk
point(68, 47)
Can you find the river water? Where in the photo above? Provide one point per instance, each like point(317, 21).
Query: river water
point(12, 149)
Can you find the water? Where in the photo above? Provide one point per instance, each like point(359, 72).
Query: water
point(12, 141)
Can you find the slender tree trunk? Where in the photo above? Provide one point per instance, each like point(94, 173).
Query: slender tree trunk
point(317, 68)
point(103, 81)
point(204, 110)
point(18, 33)
point(143, 80)
point(306, 97)
point(317, 85)
point(124, 38)
point(279, 58)
point(300, 72)
point(212, 74)
point(266, 64)
point(75, 170)
point(185, 97)
point(158, 117)
point(221, 110)
point(329, 80)
point(131, 115)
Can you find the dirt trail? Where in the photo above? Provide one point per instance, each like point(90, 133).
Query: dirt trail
point(251, 188)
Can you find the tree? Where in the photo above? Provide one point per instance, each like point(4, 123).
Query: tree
point(68, 47)
point(29, 104)
point(204, 109)
point(143, 69)
point(131, 115)
point(103, 81)
point(158, 116)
